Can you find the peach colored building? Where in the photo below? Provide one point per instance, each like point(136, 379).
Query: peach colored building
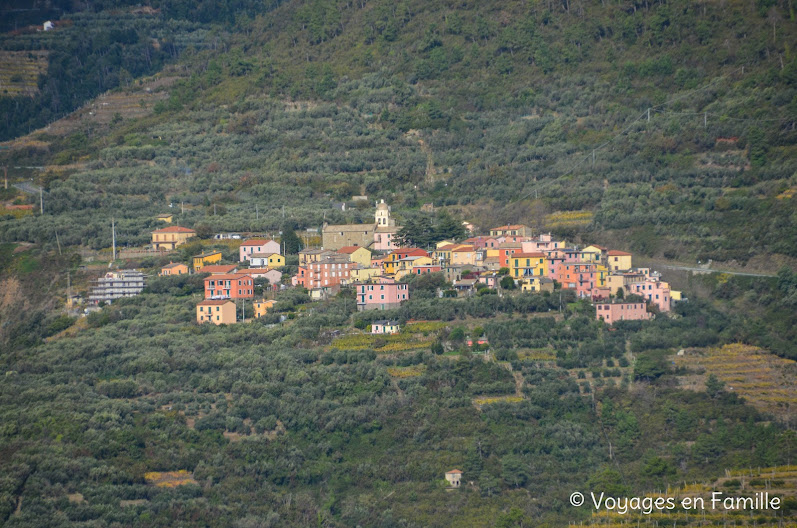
point(174, 268)
point(610, 313)
point(216, 311)
point(331, 271)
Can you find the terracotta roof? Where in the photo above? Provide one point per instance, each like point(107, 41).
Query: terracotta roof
point(507, 227)
point(535, 254)
point(454, 471)
point(618, 253)
point(447, 247)
point(256, 242)
point(174, 229)
point(214, 302)
point(347, 250)
point(228, 276)
point(464, 249)
point(263, 255)
point(218, 268)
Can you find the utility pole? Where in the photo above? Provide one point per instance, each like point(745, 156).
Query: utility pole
point(182, 208)
point(5, 174)
point(41, 199)
point(705, 119)
point(257, 213)
point(113, 237)
point(648, 115)
point(68, 292)
point(214, 209)
point(593, 157)
point(58, 242)
point(283, 211)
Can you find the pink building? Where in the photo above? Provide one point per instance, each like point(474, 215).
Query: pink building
point(255, 245)
point(384, 295)
point(482, 242)
point(385, 238)
point(610, 313)
point(655, 292)
point(428, 268)
point(325, 273)
point(541, 243)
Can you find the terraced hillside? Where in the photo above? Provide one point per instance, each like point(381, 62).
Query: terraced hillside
point(20, 72)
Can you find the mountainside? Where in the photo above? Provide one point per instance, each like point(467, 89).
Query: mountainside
point(664, 129)
point(646, 119)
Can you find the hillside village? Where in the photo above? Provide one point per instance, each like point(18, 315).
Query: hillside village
point(371, 260)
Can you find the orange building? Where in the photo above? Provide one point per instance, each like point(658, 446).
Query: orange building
point(174, 268)
point(233, 286)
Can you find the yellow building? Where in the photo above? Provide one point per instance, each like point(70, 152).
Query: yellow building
point(165, 218)
point(170, 237)
point(601, 276)
point(527, 265)
point(200, 261)
point(537, 284)
point(357, 255)
point(463, 255)
point(363, 275)
point(263, 306)
point(406, 264)
point(618, 260)
point(174, 268)
point(267, 260)
point(444, 243)
point(216, 311)
point(592, 253)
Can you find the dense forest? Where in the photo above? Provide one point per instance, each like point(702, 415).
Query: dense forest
point(660, 128)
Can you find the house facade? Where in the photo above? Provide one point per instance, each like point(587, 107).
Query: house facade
point(257, 245)
point(385, 327)
point(357, 255)
point(385, 294)
point(205, 259)
point(168, 238)
point(233, 286)
point(262, 307)
point(267, 260)
point(332, 271)
point(610, 313)
point(216, 311)
point(174, 268)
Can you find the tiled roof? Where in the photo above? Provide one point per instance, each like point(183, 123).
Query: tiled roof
point(214, 302)
point(174, 229)
point(256, 242)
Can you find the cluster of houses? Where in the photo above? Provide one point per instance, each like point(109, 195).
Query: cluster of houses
point(368, 258)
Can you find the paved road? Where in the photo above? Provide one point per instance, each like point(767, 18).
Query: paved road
point(27, 187)
point(705, 270)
